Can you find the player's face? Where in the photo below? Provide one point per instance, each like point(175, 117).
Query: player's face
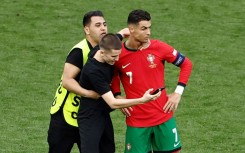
point(96, 29)
point(142, 31)
point(110, 57)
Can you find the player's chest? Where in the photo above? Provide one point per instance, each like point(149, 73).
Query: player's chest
point(140, 62)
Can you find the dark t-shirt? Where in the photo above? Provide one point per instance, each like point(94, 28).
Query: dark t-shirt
point(75, 57)
point(96, 76)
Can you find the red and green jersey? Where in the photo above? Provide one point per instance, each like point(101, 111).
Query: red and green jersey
point(140, 70)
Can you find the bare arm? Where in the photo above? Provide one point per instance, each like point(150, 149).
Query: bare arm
point(120, 103)
point(125, 111)
point(124, 32)
point(69, 82)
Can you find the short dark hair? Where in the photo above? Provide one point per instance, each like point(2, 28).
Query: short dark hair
point(87, 17)
point(136, 16)
point(110, 41)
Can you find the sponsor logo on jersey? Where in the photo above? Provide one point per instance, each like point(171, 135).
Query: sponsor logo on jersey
point(124, 66)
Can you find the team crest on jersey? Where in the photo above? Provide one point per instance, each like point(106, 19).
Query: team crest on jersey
point(128, 146)
point(151, 58)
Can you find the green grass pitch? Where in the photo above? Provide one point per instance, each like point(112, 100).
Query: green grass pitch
point(36, 37)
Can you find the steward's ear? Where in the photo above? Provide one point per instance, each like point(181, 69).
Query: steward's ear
point(86, 30)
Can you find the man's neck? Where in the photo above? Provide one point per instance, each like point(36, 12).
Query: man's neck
point(132, 44)
point(98, 57)
point(91, 41)
point(135, 45)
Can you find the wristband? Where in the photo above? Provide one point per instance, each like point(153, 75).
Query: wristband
point(179, 89)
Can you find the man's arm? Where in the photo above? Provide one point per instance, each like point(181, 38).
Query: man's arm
point(120, 103)
point(69, 82)
point(185, 72)
point(124, 32)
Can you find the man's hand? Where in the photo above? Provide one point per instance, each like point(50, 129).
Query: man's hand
point(92, 94)
point(124, 32)
point(149, 97)
point(172, 103)
point(126, 111)
point(145, 45)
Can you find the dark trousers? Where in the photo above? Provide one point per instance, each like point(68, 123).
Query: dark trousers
point(96, 131)
point(62, 138)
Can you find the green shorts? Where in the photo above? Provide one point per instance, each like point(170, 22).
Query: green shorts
point(163, 137)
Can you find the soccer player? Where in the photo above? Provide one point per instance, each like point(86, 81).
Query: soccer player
point(63, 130)
point(150, 126)
point(95, 126)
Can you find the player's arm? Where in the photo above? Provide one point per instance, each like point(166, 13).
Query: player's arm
point(120, 103)
point(100, 84)
point(116, 90)
point(185, 66)
point(115, 84)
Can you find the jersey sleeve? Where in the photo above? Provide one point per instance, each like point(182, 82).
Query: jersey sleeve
point(115, 84)
point(166, 52)
point(185, 72)
point(75, 57)
point(173, 56)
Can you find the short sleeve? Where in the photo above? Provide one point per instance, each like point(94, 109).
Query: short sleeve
point(75, 57)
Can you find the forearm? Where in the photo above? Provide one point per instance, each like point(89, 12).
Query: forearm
point(120, 103)
point(185, 72)
point(120, 97)
point(124, 33)
point(73, 86)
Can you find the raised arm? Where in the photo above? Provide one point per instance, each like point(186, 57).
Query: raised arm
point(124, 32)
point(185, 66)
point(121, 103)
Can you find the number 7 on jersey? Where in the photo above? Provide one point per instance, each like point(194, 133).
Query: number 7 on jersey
point(130, 75)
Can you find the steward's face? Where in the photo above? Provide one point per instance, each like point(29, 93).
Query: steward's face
point(97, 28)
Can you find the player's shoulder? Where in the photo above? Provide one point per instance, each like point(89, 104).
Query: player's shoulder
point(157, 41)
point(160, 43)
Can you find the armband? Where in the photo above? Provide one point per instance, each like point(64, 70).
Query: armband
point(179, 59)
point(179, 89)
